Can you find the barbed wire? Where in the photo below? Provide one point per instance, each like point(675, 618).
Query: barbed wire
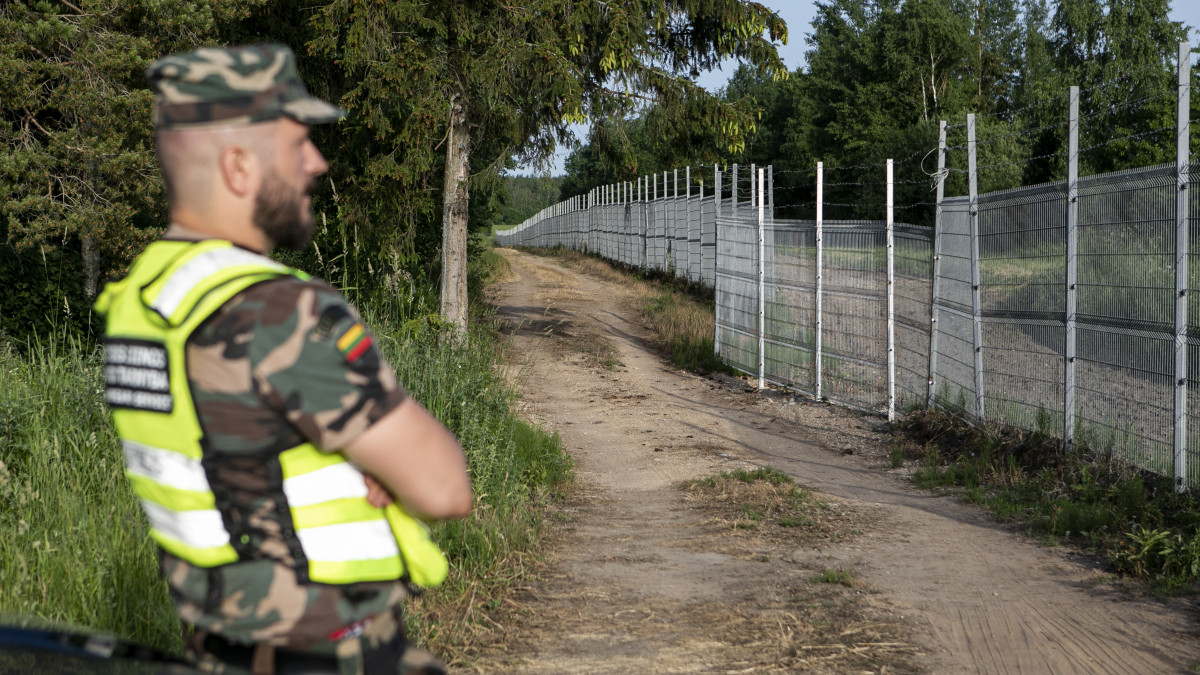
point(1126, 106)
point(870, 205)
point(1130, 137)
point(1013, 113)
point(1026, 132)
point(1020, 161)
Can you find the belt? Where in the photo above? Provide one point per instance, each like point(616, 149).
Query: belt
point(286, 661)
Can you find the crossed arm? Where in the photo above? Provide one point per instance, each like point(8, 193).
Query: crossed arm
point(409, 456)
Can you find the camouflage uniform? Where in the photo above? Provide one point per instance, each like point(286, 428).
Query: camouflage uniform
point(284, 362)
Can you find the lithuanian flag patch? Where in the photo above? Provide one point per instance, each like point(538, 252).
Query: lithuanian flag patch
point(354, 342)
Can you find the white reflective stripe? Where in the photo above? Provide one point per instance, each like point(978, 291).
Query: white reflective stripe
point(368, 540)
point(337, 481)
point(199, 529)
point(196, 270)
point(165, 467)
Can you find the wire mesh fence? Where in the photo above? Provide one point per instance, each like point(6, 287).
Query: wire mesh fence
point(1068, 307)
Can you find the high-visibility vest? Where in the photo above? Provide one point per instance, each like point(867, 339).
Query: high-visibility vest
point(334, 534)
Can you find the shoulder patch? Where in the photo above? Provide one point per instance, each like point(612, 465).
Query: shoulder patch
point(329, 319)
point(354, 342)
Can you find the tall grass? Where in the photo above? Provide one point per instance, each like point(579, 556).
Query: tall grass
point(73, 542)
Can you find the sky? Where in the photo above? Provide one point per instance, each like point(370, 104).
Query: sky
point(798, 14)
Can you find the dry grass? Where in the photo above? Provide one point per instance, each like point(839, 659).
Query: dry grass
point(775, 510)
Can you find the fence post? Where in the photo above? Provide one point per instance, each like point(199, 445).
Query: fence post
point(753, 184)
point(645, 190)
point(762, 280)
point(733, 186)
point(716, 257)
point(891, 295)
point(976, 300)
point(675, 215)
point(820, 249)
point(934, 294)
point(717, 189)
point(1072, 280)
point(771, 191)
point(1182, 243)
point(687, 216)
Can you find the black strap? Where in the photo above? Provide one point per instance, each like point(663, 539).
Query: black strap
point(287, 662)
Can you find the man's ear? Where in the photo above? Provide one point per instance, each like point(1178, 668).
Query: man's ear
point(240, 169)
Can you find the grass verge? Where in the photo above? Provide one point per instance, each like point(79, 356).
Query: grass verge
point(1132, 518)
point(73, 538)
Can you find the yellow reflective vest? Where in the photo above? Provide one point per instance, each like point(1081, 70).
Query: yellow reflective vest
point(335, 535)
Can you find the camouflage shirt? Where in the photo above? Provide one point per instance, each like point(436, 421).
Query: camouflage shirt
point(283, 363)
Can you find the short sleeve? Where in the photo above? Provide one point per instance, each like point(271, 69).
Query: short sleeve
point(314, 361)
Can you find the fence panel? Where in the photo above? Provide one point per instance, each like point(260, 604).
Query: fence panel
point(737, 293)
point(914, 288)
point(954, 380)
point(1126, 360)
point(708, 242)
point(1022, 250)
point(791, 285)
point(854, 322)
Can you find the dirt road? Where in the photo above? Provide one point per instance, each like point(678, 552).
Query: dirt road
point(643, 577)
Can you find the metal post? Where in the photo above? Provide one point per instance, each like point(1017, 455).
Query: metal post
point(753, 185)
point(645, 210)
point(771, 191)
point(935, 294)
point(700, 225)
point(891, 296)
point(762, 281)
point(976, 299)
point(716, 190)
point(733, 186)
point(1182, 159)
point(820, 249)
point(716, 257)
point(687, 218)
point(1072, 296)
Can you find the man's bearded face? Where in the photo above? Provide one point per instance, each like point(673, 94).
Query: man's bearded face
point(283, 212)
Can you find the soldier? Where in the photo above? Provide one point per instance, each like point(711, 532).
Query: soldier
point(276, 456)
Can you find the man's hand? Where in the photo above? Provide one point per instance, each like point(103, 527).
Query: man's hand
point(377, 495)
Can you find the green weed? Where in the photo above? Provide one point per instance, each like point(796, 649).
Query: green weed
point(1134, 518)
point(832, 576)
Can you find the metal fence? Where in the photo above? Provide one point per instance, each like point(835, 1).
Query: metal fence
point(1070, 308)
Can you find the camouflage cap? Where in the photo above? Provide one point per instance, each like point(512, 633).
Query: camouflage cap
point(232, 86)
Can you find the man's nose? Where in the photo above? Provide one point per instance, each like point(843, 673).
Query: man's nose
point(316, 162)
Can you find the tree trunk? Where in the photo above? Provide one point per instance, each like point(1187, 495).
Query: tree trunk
point(91, 265)
point(454, 215)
